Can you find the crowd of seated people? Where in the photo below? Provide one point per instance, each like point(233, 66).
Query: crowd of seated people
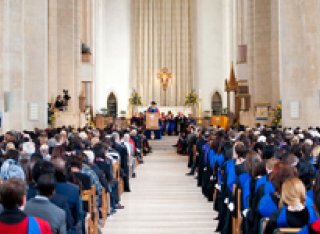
point(44, 172)
point(260, 180)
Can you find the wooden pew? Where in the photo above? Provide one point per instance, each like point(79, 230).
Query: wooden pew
point(116, 175)
point(236, 220)
point(286, 230)
point(105, 206)
point(92, 217)
point(263, 225)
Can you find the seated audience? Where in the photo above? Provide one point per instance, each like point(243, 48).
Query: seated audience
point(13, 219)
point(295, 211)
point(40, 206)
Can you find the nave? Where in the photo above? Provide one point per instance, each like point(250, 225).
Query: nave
point(163, 199)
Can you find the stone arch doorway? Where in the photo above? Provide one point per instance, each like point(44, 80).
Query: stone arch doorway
point(216, 104)
point(112, 105)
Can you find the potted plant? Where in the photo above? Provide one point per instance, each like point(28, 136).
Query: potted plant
point(277, 115)
point(135, 100)
point(191, 99)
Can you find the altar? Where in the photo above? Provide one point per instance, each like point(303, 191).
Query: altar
point(165, 109)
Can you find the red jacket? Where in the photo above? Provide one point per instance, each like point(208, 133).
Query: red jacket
point(16, 221)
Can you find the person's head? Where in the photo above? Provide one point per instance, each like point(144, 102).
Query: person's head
point(90, 156)
point(259, 147)
point(11, 169)
point(35, 157)
point(153, 103)
point(46, 184)
point(270, 164)
point(42, 167)
point(306, 150)
point(60, 168)
point(281, 172)
point(99, 151)
point(13, 193)
point(116, 136)
point(293, 192)
point(254, 164)
point(126, 137)
point(44, 150)
point(12, 154)
point(75, 164)
point(58, 152)
point(240, 150)
point(133, 132)
point(268, 152)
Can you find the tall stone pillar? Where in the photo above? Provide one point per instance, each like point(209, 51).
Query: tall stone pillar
point(299, 34)
point(64, 56)
point(24, 64)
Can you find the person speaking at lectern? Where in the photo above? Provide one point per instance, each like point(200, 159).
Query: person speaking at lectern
point(157, 132)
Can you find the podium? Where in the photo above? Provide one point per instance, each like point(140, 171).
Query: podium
point(152, 125)
point(152, 121)
point(220, 120)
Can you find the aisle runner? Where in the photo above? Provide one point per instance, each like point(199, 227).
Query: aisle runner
point(163, 199)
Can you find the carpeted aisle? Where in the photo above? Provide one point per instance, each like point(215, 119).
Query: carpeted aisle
point(163, 199)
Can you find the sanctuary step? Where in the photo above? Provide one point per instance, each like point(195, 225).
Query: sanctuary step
point(165, 143)
point(163, 199)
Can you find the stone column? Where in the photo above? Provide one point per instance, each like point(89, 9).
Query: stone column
point(299, 34)
point(24, 61)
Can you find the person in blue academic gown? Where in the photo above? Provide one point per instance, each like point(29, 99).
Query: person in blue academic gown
point(296, 211)
point(154, 109)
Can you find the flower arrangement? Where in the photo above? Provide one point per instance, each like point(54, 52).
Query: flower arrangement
point(135, 99)
point(277, 115)
point(191, 98)
point(51, 117)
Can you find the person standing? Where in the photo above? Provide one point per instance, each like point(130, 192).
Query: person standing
point(153, 109)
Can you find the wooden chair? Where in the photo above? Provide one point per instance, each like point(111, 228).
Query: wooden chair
point(194, 152)
point(116, 175)
point(262, 225)
point(286, 230)
point(236, 220)
point(92, 217)
point(105, 206)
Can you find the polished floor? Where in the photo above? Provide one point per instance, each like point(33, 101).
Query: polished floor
point(163, 199)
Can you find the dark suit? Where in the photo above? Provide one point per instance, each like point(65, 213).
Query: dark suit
point(72, 193)
point(122, 150)
point(57, 199)
point(84, 179)
point(44, 209)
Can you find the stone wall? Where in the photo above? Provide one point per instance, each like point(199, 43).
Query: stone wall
point(262, 40)
point(24, 63)
point(299, 35)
